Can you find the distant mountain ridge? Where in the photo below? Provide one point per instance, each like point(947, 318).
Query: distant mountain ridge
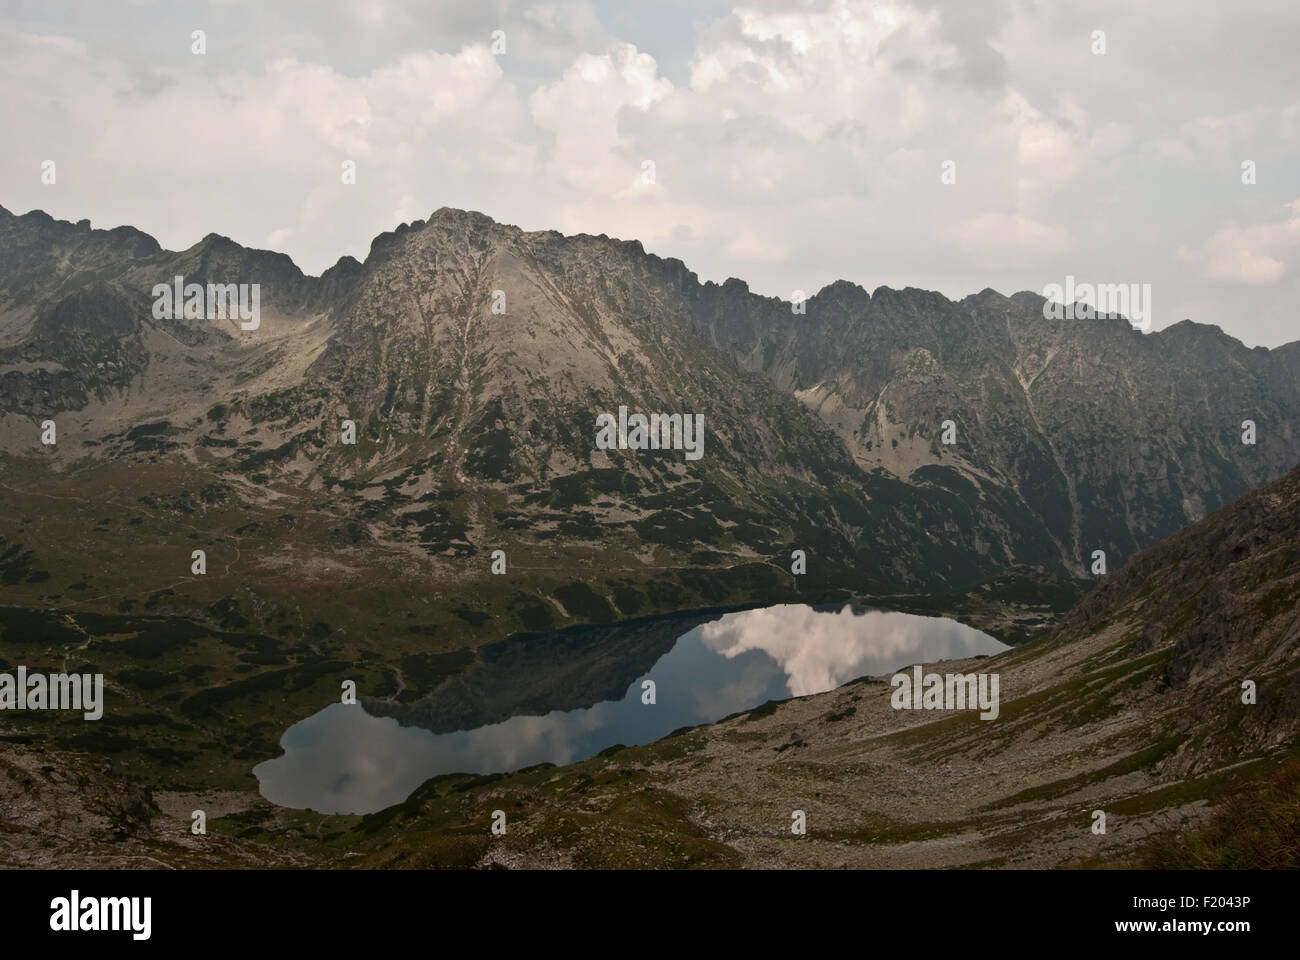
point(476, 428)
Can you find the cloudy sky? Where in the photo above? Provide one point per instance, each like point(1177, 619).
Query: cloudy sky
point(793, 143)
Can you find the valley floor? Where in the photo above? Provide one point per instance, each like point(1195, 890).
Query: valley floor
point(880, 788)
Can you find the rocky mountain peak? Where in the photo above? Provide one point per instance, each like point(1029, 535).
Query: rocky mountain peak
point(478, 355)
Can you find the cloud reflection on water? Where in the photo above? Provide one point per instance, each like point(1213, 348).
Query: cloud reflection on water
point(820, 650)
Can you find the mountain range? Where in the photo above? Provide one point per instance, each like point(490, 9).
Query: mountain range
point(473, 359)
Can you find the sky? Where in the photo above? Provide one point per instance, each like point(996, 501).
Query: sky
point(792, 144)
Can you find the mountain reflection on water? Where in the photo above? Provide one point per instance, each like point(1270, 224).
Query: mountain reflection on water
point(563, 697)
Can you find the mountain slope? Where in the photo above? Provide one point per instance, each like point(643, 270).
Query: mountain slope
point(1132, 708)
point(475, 432)
point(1129, 709)
point(474, 358)
point(1113, 438)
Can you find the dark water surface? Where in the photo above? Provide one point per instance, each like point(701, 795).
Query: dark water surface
point(346, 759)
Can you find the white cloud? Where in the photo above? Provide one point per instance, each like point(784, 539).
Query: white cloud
point(802, 145)
point(582, 111)
point(1255, 255)
point(820, 650)
point(1001, 241)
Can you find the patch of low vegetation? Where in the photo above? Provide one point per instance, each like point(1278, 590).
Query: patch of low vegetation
point(1256, 826)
